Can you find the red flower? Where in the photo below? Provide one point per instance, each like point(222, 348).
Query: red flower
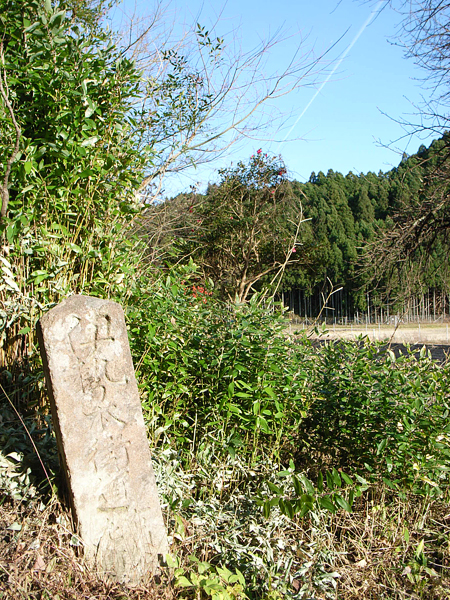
point(294, 249)
point(259, 151)
point(199, 289)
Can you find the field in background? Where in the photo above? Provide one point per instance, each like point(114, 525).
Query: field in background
point(408, 333)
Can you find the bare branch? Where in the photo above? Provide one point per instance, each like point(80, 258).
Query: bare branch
point(213, 92)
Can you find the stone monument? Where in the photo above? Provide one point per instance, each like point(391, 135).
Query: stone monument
point(101, 437)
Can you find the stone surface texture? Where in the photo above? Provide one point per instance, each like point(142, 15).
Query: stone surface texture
point(101, 437)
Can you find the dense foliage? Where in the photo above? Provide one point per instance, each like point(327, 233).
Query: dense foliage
point(71, 184)
point(351, 216)
point(243, 231)
point(353, 231)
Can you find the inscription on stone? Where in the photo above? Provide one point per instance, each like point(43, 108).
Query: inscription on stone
point(101, 437)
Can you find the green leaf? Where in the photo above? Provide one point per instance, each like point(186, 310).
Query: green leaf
point(274, 488)
point(262, 424)
point(325, 502)
point(203, 567)
point(307, 484)
point(361, 479)
point(406, 534)
point(28, 166)
point(381, 446)
point(91, 108)
point(351, 497)
point(286, 508)
point(284, 474)
point(346, 478)
point(340, 501)
point(183, 581)
point(269, 391)
point(56, 19)
point(419, 549)
point(225, 573)
point(10, 233)
point(172, 562)
point(240, 577)
point(297, 487)
point(231, 451)
point(86, 173)
point(26, 189)
point(306, 503)
point(392, 356)
point(330, 482)
point(336, 478)
point(89, 142)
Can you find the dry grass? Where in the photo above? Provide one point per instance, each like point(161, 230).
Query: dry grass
point(39, 562)
point(368, 549)
point(379, 559)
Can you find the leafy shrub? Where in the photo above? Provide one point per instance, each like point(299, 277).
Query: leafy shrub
point(217, 371)
point(299, 495)
point(382, 414)
point(72, 183)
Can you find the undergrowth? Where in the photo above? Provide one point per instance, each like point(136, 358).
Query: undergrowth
point(285, 469)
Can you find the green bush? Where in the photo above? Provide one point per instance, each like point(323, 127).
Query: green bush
point(382, 414)
point(217, 372)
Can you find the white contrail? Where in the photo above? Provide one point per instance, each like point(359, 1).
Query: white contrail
point(336, 66)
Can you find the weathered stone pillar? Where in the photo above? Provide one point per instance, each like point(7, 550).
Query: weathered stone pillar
point(101, 437)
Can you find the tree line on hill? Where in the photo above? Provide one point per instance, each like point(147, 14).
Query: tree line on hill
point(382, 237)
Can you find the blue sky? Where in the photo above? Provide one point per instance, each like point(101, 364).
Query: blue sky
point(350, 118)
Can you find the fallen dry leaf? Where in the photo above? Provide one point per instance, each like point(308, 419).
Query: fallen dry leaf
point(39, 564)
point(361, 563)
